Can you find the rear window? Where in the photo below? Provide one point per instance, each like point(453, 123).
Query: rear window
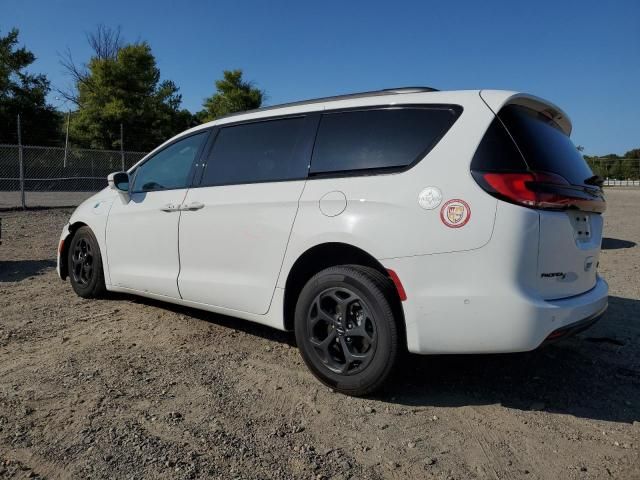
point(545, 147)
point(378, 139)
point(497, 152)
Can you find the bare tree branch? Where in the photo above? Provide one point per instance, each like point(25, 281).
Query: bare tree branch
point(105, 42)
point(67, 94)
point(78, 74)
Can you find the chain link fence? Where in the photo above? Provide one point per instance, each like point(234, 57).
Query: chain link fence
point(32, 176)
point(617, 172)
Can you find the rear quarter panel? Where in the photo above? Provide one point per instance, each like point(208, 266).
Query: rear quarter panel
point(382, 214)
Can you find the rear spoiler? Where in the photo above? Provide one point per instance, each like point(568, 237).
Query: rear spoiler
point(496, 99)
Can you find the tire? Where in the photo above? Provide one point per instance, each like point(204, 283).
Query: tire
point(85, 265)
point(346, 330)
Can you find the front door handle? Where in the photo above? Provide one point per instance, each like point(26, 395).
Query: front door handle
point(170, 207)
point(193, 206)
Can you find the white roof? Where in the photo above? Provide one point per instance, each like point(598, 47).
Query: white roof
point(495, 100)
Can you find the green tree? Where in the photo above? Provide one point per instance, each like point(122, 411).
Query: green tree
point(633, 166)
point(635, 153)
point(615, 170)
point(629, 168)
point(596, 167)
point(233, 94)
point(25, 94)
point(121, 85)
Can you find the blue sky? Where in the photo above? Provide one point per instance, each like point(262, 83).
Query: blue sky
point(582, 55)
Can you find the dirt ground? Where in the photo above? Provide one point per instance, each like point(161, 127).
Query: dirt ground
point(131, 388)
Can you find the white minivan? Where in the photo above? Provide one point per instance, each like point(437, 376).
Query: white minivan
point(435, 222)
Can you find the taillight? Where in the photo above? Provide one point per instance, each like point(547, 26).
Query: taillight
point(541, 190)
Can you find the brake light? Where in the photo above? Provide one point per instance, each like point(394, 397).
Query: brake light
point(512, 186)
point(540, 190)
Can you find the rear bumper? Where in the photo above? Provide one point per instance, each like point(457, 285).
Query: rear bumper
point(574, 328)
point(456, 309)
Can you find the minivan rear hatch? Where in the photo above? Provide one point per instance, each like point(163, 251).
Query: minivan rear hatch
point(527, 158)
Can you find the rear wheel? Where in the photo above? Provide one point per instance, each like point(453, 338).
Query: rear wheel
point(85, 265)
point(345, 328)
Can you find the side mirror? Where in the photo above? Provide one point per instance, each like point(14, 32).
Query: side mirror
point(119, 181)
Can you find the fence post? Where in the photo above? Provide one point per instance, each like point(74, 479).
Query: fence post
point(122, 146)
point(66, 141)
point(624, 169)
point(21, 167)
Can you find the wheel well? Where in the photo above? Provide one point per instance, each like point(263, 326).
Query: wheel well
point(324, 256)
point(73, 228)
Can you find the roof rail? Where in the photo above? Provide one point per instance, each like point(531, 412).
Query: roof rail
point(409, 90)
point(373, 93)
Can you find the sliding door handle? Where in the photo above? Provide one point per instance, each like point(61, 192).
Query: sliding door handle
point(170, 207)
point(192, 206)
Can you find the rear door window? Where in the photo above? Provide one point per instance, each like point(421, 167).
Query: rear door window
point(389, 138)
point(257, 152)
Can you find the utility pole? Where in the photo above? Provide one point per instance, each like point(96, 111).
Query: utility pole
point(21, 167)
point(122, 146)
point(66, 138)
point(66, 141)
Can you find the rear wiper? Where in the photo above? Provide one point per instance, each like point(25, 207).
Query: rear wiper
point(596, 180)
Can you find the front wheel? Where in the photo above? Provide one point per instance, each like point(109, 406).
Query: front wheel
point(346, 330)
point(85, 264)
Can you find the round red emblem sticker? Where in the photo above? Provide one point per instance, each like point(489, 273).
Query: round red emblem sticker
point(455, 213)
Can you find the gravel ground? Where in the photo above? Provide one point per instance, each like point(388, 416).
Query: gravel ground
point(131, 388)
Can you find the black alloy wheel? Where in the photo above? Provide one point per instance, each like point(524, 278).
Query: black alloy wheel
point(346, 328)
point(342, 331)
point(84, 264)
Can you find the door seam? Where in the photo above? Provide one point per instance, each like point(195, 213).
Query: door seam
point(286, 248)
point(178, 242)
